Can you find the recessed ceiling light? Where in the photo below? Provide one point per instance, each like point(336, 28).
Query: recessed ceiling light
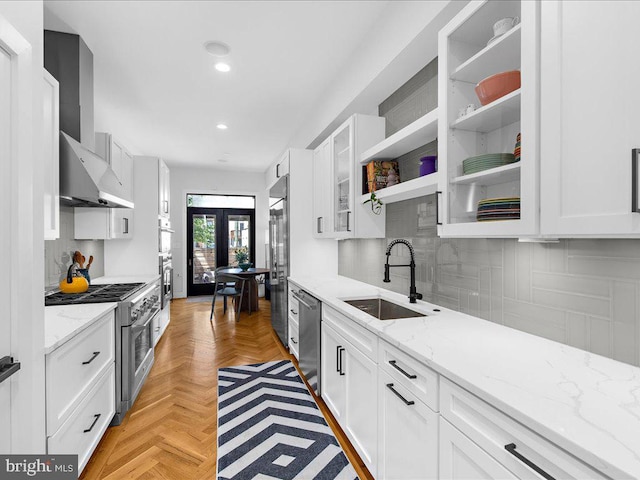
point(217, 49)
point(222, 67)
point(221, 126)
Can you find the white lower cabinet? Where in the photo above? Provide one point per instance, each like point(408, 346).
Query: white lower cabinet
point(511, 444)
point(361, 408)
point(81, 434)
point(80, 390)
point(407, 433)
point(160, 323)
point(332, 380)
point(461, 459)
point(294, 338)
point(349, 390)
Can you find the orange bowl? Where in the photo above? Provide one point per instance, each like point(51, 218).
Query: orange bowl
point(498, 85)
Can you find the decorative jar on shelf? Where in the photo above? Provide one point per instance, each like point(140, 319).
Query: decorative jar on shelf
point(428, 165)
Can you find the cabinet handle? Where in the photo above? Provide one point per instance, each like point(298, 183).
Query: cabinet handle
point(318, 227)
point(125, 226)
point(397, 394)
point(95, 420)
point(278, 171)
point(635, 158)
point(293, 311)
point(348, 227)
point(340, 354)
point(7, 368)
point(438, 222)
point(165, 207)
point(95, 354)
point(294, 341)
point(338, 369)
point(402, 370)
point(511, 448)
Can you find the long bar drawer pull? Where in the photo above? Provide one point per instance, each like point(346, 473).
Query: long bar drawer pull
point(402, 370)
point(340, 350)
point(95, 354)
point(406, 402)
point(511, 448)
point(95, 420)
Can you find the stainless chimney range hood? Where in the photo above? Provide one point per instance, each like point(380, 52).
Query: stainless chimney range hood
point(86, 180)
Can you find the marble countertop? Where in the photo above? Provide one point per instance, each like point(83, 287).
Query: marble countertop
point(63, 322)
point(125, 279)
point(585, 403)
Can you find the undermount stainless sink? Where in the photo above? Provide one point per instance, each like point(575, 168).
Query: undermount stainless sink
point(383, 309)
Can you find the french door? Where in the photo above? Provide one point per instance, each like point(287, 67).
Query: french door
point(213, 235)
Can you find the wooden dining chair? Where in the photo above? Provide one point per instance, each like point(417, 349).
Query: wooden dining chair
point(227, 286)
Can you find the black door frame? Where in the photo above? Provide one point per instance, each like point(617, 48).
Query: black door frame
point(222, 241)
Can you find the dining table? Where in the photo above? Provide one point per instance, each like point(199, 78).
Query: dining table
point(250, 297)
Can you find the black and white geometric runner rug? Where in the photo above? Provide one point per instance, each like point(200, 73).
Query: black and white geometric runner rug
point(269, 427)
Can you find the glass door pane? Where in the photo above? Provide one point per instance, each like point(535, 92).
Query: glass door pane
point(342, 167)
point(204, 248)
point(239, 230)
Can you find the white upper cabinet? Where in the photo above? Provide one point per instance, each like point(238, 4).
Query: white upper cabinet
point(469, 53)
point(51, 154)
point(589, 118)
point(120, 160)
point(338, 180)
point(322, 206)
point(164, 190)
point(277, 170)
point(103, 223)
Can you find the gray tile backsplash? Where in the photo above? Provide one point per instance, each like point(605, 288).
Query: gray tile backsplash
point(584, 293)
point(58, 253)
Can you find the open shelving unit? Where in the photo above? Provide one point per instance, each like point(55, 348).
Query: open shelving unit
point(414, 135)
point(492, 176)
point(500, 55)
point(497, 114)
point(417, 187)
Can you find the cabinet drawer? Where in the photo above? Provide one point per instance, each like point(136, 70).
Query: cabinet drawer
point(407, 434)
point(71, 368)
point(294, 308)
point(492, 430)
point(81, 433)
point(362, 339)
point(293, 338)
point(419, 379)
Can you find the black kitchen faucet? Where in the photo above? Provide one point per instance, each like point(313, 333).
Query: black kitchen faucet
point(413, 295)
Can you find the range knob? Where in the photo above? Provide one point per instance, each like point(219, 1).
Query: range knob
point(134, 315)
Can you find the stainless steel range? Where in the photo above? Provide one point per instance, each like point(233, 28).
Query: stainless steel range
point(138, 304)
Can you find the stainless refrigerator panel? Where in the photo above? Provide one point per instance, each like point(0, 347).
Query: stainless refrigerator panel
point(279, 257)
point(310, 316)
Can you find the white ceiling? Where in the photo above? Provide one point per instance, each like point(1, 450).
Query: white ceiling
point(156, 88)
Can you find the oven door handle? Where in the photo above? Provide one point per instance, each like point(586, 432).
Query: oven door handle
point(137, 328)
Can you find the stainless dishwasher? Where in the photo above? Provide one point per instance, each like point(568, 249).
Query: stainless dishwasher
point(309, 318)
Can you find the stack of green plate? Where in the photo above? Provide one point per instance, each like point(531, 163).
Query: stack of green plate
point(484, 162)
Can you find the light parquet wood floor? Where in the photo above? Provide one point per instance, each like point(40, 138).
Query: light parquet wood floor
point(170, 433)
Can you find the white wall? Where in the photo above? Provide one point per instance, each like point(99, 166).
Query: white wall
point(27, 243)
point(401, 43)
point(218, 182)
